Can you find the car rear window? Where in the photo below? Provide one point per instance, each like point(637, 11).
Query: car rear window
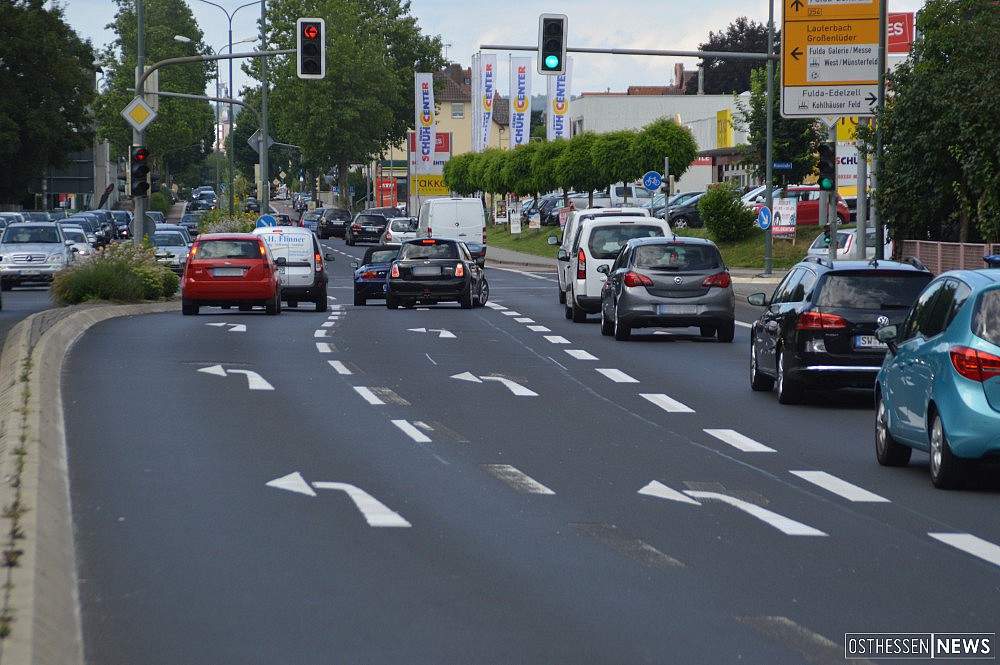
point(229, 249)
point(606, 241)
point(382, 256)
point(986, 321)
point(872, 290)
point(337, 214)
point(75, 236)
point(371, 219)
point(678, 257)
point(439, 250)
point(168, 240)
point(403, 225)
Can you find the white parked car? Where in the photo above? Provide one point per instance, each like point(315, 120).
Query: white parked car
point(846, 239)
point(452, 219)
point(171, 249)
point(569, 235)
point(33, 252)
point(79, 238)
point(399, 230)
point(597, 242)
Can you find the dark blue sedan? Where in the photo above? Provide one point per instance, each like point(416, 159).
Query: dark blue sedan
point(370, 275)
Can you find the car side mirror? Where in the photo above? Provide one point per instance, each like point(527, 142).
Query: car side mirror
point(562, 255)
point(68, 243)
point(481, 261)
point(604, 269)
point(758, 299)
point(329, 256)
point(281, 261)
point(888, 336)
point(759, 199)
point(552, 240)
point(355, 265)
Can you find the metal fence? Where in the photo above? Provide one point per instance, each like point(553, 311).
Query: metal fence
point(941, 257)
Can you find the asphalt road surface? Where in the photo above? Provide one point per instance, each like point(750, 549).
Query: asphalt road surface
point(20, 303)
point(497, 485)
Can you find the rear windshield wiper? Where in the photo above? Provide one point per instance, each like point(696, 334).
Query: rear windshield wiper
point(892, 305)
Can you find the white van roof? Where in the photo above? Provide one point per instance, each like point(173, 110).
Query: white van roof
point(282, 229)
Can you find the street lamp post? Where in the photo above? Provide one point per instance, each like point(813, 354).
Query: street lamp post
point(229, 18)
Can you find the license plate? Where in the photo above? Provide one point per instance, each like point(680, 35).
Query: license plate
point(370, 228)
point(677, 309)
point(868, 342)
point(227, 272)
point(426, 271)
point(30, 273)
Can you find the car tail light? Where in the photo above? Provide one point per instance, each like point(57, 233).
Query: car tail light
point(395, 270)
point(388, 236)
point(635, 279)
point(484, 235)
point(355, 227)
point(581, 264)
point(371, 274)
point(262, 247)
point(719, 279)
point(459, 270)
point(820, 321)
point(428, 242)
point(975, 365)
point(318, 260)
point(193, 252)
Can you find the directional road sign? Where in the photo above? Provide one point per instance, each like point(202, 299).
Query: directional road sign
point(266, 220)
point(782, 166)
point(652, 181)
point(829, 62)
point(764, 218)
point(138, 114)
point(254, 141)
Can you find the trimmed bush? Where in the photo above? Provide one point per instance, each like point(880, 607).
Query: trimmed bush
point(220, 221)
point(120, 273)
point(159, 201)
point(724, 214)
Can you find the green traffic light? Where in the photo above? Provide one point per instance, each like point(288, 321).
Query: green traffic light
point(552, 61)
point(826, 184)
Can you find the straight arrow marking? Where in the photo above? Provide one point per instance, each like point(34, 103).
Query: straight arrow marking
point(785, 525)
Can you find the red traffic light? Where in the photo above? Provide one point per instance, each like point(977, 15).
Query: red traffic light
point(310, 32)
point(140, 154)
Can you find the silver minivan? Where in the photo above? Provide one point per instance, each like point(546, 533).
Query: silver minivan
point(303, 276)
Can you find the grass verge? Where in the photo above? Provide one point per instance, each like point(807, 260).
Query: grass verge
point(530, 241)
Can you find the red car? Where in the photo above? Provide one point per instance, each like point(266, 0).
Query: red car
point(807, 212)
point(226, 269)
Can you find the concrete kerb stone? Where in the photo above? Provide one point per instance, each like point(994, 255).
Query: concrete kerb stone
point(43, 591)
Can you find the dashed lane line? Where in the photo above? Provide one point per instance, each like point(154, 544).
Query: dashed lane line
point(511, 312)
point(556, 339)
point(524, 319)
point(517, 479)
point(538, 329)
point(320, 333)
point(580, 354)
point(411, 431)
point(970, 544)
point(328, 324)
point(739, 441)
point(616, 375)
point(840, 487)
point(668, 404)
point(368, 395)
point(340, 368)
point(324, 347)
point(495, 306)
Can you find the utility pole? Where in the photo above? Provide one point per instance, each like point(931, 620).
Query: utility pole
point(264, 194)
point(862, 206)
point(829, 211)
point(139, 212)
point(769, 149)
point(876, 214)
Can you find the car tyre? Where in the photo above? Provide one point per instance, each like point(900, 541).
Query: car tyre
point(273, 307)
point(607, 326)
point(6, 285)
point(789, 390)
point(349, 240)
point(758, 381)
point(680, 222)
point(391, 302)
point(888, 451)
point(947, 471)
point(322, 304)
point(707, 331)
point(245, 307)
point(359, 300)
point(622, 331)
point(293, 303)
point(578, 314)
point(562, 297)
point(484, 294)
point(189, 307)
point(727, 332)
point(466, 300)
point(568, 311)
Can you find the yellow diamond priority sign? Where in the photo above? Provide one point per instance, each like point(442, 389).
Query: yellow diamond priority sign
point(138, 114)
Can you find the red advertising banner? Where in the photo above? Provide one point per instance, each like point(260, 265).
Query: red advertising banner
point(386, 189)
point(442, 142)
point(900, 32)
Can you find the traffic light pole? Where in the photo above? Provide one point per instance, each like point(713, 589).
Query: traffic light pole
point(769, 146)
point(138, 137)
point(264, 195)
point(830, 198)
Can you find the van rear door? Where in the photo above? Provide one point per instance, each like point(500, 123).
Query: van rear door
point(297, 248)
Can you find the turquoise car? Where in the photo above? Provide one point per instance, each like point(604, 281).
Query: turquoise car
point(939, 387)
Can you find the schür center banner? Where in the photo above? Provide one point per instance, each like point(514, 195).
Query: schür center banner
point(557, 115)
point(423, 85)
point(520, 101)
point(487, 89)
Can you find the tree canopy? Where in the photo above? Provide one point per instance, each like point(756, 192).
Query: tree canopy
point(47, 78)
point(730, 76)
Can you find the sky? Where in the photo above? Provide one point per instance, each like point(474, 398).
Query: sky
point(465, 24)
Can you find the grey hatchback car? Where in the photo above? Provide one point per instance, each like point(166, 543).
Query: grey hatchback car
point(668, 283)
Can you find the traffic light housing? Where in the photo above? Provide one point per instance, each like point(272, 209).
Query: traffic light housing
point(139, 171)
point(827, 166)
point(310, 48)
point(552, 32)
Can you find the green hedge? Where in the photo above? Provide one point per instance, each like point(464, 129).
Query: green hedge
point(221, 221)
point(725, 215)
point(120, 273)
point(159, 201)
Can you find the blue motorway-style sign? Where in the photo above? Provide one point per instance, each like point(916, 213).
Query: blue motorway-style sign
point(266, 220)
point(764, 218)
point(652, 181)
point(782, 166)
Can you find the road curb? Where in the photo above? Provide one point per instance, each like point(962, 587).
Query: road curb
point(517, 265)
point(41, 596)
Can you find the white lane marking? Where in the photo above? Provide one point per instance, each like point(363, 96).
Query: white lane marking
point(556, 339)
point(814, 647)
point(513, 386)
point(323, 347)
point(743, 325)
point(525, 273)
point(661, 491)
point(538, 329)
point(466, 376)
point(335, 306)
point(330, 298)
point(375, 512)
point(738, 441)
point(233, 327)
point(368, 395)
point(785, 525)
point(493, 305)
point(431, 359)
point(561, 366)
point(327, 324)
point(293, 482)
point(340, 367)
point(411, 431)
point(524, 319)
point(668, 404)
point(442, 333)
point(423, 309)
point(254, 380)
point(214, 370)
point(970, 544)
point(517, 479)
point(616, 375)
point(840, 487)
point(580, 354)
point(320, 333)
point(511, 312)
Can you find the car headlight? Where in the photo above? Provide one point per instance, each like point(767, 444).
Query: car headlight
point(91, 239)
point(56, 258)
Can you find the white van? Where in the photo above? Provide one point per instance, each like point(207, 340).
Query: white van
point(598, 241)
point(569, 234)
point(452, 219)
point(303, 276)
